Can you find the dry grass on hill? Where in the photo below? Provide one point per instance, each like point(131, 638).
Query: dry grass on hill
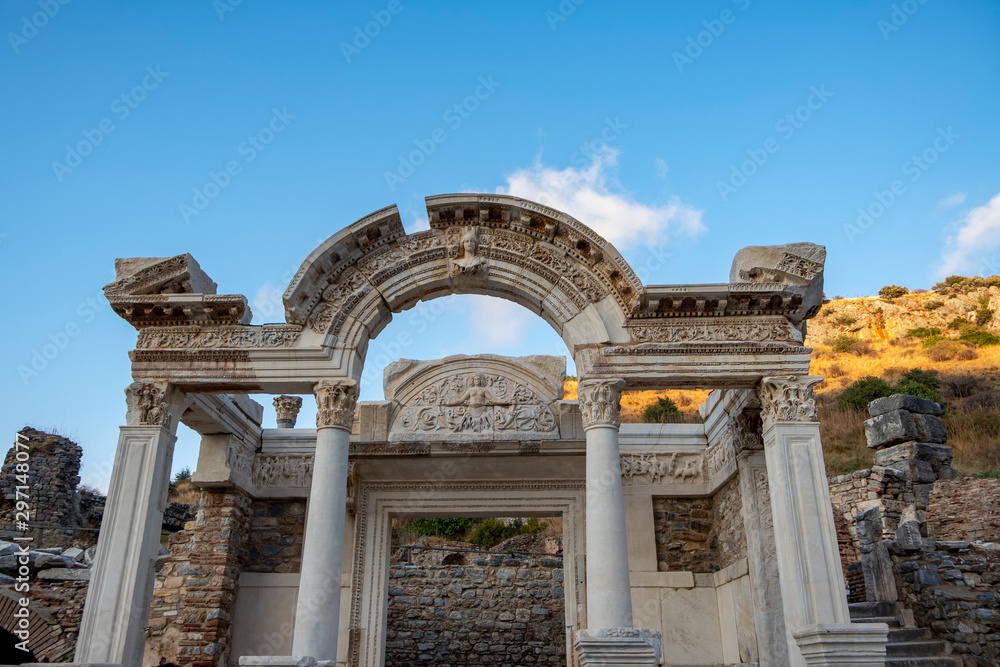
point(185, 492)
point(635, 402)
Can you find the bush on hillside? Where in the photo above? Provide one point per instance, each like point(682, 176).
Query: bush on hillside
point(862, 392)
point(980, 337)
point(660, 411)
point(842, 343)
point(923, 332)
point(893, 291)
point(452, 528)
point(921, 383)
point(984, 314)
point(933, 305)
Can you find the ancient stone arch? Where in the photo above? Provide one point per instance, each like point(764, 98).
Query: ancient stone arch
point(197, 359)
point(48, 642)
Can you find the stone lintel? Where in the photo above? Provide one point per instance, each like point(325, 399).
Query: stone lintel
point(618, 647)
point(858, 644)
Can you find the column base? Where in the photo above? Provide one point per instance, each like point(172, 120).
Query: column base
point(857, 644)
point(283, 661)
point(618, 647)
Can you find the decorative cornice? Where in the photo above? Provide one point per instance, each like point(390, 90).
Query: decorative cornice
point(335, 402)
point(788, 399)
point(287, 410)
point(600, 402)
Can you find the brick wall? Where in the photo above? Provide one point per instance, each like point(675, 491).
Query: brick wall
point(700, 535)
point(502, 610)
point(965, 509)
point(277, 529)
point(731, 535)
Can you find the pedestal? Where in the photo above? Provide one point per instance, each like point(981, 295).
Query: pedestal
point(618, 647)
point(850, 644)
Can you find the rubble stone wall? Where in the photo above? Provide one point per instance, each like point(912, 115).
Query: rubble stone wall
point(502, 610)
point(965, 509)
point(52, 467)
point(700, 535)
point(277, 530)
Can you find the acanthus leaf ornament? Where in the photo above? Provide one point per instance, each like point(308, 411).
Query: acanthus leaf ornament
point(335, 403)
point(600, 402)
point(788, 398)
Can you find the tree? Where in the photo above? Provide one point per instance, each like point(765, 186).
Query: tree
point(658, 413)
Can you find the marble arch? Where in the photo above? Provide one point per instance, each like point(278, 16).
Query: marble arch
point(198, 358)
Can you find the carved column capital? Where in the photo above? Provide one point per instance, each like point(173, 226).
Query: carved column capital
point(335, 401)
point(600, 402)
point(287, 410)
point(788, 399)
point(148, 404)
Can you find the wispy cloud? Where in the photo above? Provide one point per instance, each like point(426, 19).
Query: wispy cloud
point(951, 201)
point(593, 195)
point(499, 323)
point(971, 238)
point(266, 304)
point(661, 167)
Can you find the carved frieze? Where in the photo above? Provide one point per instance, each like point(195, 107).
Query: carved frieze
point(600, 402)
point(282, 470)
point(240, 458)
point(662, 468)
point(224, 337)
point(147, 405)
point(714, 330)
point(788, 399)
point(335, 403)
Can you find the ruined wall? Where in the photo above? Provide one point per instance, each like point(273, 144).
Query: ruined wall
point(502, 610)
point(53, 473)
point(700, 535)
point(965, 509)
point(195, 587)
point(277, 530)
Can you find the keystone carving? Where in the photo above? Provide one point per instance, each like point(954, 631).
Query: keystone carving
point(335, 401)
point(600, 402)
point(466, 260)
point(287, 410)
point(788, 399)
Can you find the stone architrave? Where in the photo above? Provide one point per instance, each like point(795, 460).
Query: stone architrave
point(817, 618)
point(114, 620)
point(317, 613)
point(287, 410)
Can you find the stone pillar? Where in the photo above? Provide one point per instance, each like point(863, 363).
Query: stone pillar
point(610, 639)
point(286, 410)
point(317, 613)
point(813, 594)
point(114, 617)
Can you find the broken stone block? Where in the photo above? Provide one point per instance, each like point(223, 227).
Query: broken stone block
point(937, 455)
point(930, 428)
point(880, 583)
point(908, 536)
point(881, 406)
point(890, 428)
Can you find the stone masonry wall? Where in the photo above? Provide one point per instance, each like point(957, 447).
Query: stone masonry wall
point(53, 473)
point(277, 530)
point(195, 588)
point(700, 535)
point(502, 610)
point(965, 509)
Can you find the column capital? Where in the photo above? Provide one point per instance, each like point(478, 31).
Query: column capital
point(150, 404)
point(286, 410)
point(600, 402)
point(335, 401)
point(788, 398)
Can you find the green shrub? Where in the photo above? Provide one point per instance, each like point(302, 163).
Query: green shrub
point(862, 392)
point(845, 320)
point(489, 533)
point(452, 528)
point(533, 526)
point(933, 340)
point(893, 291)
point(980, 337)
point(657, 413)
point(933, 305)
point(921, 383)
point(923, 332)
point(183, 475)
point(985, 313)
point(959, 323)
point(842, 343)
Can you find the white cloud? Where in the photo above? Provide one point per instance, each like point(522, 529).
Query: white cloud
point(498, 323)
point(594, 197)
point(971, 238)
point(266, 304)
point(661, 167)
point(951, 201)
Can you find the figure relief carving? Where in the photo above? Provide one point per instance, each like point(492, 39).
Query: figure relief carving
point(600, 402)
point(239, 457)
point(335, 402)
point(465, 258)
point(339, 296)
point(286, 410)
point(788, 399)
point(147, 405)
point(715, 331)
point(278, 470)
point(656, 468)
point(266, 336)
point(477, 403)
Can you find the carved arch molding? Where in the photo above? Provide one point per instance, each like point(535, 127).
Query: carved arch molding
point(477, 244)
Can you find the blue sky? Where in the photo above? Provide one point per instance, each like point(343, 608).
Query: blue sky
point(682, 131)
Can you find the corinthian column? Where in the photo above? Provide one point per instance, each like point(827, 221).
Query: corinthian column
point(317, 613)
point(113, 628)
point(817, 619)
